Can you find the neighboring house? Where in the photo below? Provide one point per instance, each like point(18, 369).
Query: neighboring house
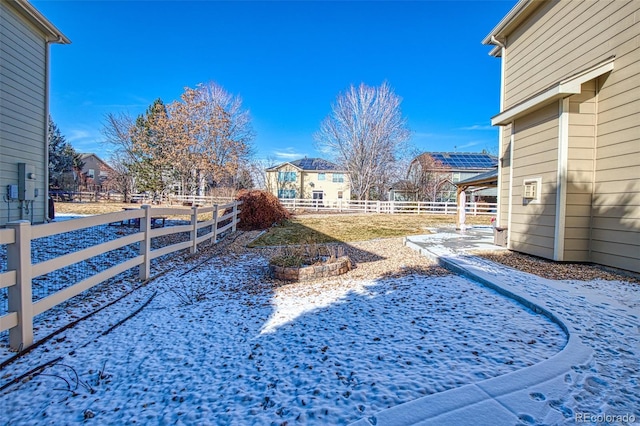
point(436, 173)
point(310, 178)
point(24, 110)
point(95, 171)
point(569, 175)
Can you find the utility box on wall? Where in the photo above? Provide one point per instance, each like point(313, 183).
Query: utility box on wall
point(26, 182)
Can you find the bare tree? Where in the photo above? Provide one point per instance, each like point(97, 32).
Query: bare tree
point(428, 176)
point(201, 140)
point(117, 129)
point(122, 179)
point(258, 169)
point(364, 131)
point(211, 135)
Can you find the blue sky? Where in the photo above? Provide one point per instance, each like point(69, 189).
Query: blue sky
point(288, 61)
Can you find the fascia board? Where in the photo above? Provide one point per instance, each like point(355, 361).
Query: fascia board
point(536, 102)
point(516, 14)
point(54, 35)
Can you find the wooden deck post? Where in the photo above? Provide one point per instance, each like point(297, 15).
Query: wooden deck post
point(19, 295)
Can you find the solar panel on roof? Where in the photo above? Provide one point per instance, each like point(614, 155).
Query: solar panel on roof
point(306, 163)
point(464, 160)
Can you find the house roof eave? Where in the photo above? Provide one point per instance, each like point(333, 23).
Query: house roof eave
point(33, 15)
point(513, 18)
point(281, 165)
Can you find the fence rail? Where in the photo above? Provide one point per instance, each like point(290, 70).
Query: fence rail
point(388, 207)
point(142, 198)
point(205, 225)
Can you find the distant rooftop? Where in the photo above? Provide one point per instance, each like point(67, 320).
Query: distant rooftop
point(464, 160)
point(311, 164)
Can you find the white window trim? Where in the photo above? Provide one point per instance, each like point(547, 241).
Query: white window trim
point(535, 198)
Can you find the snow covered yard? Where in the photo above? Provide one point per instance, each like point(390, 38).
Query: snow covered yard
point(248, 350)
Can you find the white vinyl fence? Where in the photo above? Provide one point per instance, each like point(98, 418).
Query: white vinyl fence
point(143, 198)
point(389, 207)
point(134, 237)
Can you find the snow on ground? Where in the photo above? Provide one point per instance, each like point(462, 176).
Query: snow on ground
point(248, 352)
point(607, 314)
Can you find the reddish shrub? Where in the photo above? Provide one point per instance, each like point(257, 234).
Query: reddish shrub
point(260, 210)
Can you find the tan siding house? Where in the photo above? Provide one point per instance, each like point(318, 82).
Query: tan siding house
point(569, 174)
point(309, 178)
point(24, 109)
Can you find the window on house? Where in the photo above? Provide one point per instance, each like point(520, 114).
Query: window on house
point(286, 193)
point(287, 176)
point(321, 176)
point(531, 190)
point(340, 195)
point(91, 173)
point(338, 177)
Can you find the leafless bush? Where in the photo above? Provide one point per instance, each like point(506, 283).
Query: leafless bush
point(190, 293)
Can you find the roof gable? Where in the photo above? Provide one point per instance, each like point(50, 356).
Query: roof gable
point(309, 164)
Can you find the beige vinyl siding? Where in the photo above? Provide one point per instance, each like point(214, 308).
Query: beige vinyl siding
point(22, 107)
point(580, 166)
point(535, 151)
point(505, 167)
point(563, 37)
point(274, 185)
point(555, 41)
point(329, 188)
point(615, 237)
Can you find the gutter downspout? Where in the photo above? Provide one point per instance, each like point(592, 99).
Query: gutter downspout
point(503, 53)
point(562, 178)
point(497, 42)
point(47, 78)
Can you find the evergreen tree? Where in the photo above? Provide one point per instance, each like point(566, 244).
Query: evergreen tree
point(151, 168)
point(63, 159)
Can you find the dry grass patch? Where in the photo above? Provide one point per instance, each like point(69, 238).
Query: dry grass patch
point(104, 208)
point(304, 229)
point(92, 208)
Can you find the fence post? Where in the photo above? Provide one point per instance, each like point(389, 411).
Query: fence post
point(234, 217)
point(194, 231)
point(19, 259)
point(214, 230)
point(144, 271)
